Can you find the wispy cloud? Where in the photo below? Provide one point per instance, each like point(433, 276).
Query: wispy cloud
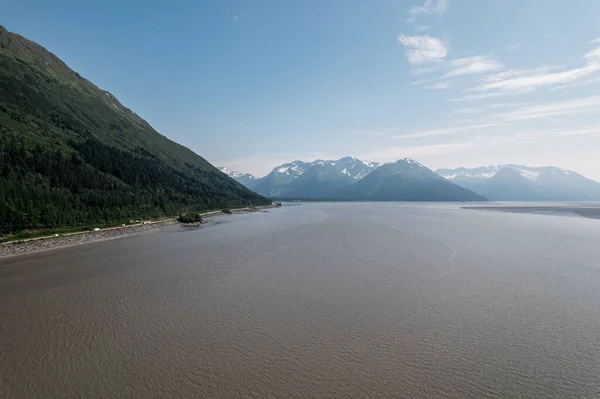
point(488, 108)
point(423, 49)
point(579, 106)
point(534, 79)
point(393, 153)
point(438, 86)
point(466, 111)
point(536, 136)
point(429, 7)
point(484, 96)
point(446, 131)
point(595, 41)
point(472, 66)
point(561, 108)
point(513, 73)
point(476, 65)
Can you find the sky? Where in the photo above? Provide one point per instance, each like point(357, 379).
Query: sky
point(253, 84)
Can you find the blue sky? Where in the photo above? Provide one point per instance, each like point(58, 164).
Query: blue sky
point(252, 84)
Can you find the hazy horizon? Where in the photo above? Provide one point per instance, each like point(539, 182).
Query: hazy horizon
point(249, 86)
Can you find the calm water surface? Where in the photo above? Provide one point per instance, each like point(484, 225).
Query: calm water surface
point(316, 300)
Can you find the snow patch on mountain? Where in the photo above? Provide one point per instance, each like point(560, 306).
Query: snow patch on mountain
point(244, 178)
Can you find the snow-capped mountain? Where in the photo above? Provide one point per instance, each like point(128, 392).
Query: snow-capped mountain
point(354, 167)
point(294, 169)
point(281, 181)
point(244, 178)
point(528, 183)
point(350, 166)
point(472, 175)
point(350, 178)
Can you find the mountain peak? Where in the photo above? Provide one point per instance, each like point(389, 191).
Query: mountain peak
point(407, 161)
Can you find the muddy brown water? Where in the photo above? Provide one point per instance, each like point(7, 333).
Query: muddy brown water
point(316, 300)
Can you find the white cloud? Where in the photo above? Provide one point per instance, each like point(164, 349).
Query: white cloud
point(595, 41)
point(472, 66)
point(423, 49)
point(535, 79)
point(438, 86)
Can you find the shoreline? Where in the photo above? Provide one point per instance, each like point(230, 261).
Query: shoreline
point(49, 243)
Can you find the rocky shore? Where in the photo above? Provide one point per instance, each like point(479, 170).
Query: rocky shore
point(68, 240)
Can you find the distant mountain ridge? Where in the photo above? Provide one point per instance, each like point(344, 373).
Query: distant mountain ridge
point(360, 180)
point(352, 179)
point(525, 183)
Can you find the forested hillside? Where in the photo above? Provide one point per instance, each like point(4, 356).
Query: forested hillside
point(72, 155)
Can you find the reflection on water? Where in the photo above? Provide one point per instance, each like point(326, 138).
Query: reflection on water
point(317, 300)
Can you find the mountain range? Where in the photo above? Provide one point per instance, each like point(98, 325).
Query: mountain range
point(352, 179)
point(525, 183)
point(71, 155)
point(406, 180)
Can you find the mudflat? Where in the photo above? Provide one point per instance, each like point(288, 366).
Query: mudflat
point(591, 211)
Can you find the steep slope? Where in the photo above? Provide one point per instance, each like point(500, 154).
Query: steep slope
point(318, 182)
point(551, 183)
point(72, 155)
point(405, 180)
point(246, 179)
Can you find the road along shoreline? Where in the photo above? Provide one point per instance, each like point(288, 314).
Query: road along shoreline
point(42, 244)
